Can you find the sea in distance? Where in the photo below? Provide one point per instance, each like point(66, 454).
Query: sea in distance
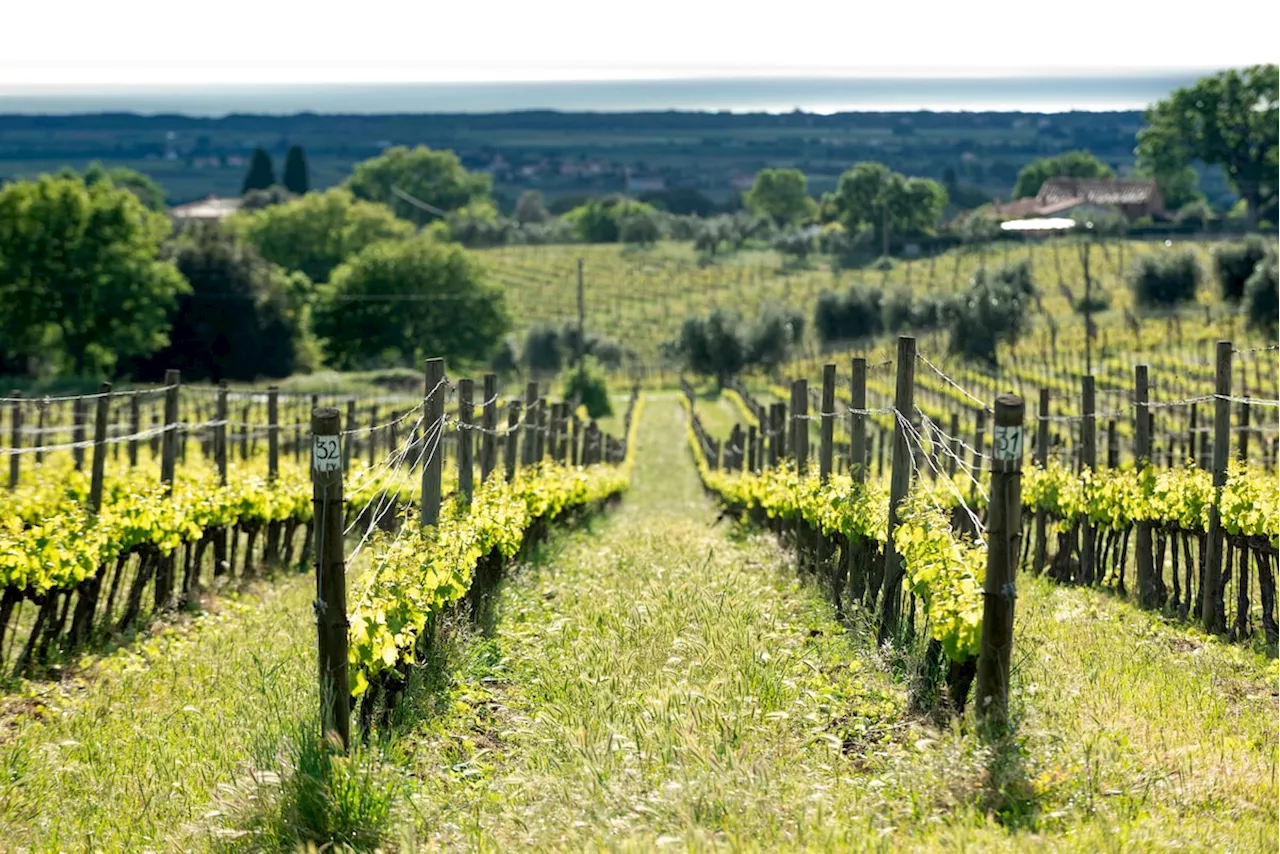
point(824, 95)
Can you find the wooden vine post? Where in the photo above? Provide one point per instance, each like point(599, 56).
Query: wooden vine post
point(348, 447)
point(800, 451)
point(273, 433)
point(331, 575)
point(1213, 608)
point(15, 437)
point(1004, 529)
point(828, 417)
point(513, 439)
point(900, 481)
point(1042, 460)
point(1088, 462)
point(466, 415)
point(1150, 582)
point(489, 426)
point(135, 426)
point(220, 433)
point(433, 425)
point(530, 423)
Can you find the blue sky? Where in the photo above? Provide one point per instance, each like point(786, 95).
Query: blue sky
point(77, 43)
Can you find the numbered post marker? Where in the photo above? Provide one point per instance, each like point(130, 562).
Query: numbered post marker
point(325, 455)
point(1007, 444)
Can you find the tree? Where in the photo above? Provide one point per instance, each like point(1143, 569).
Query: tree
point(590, 386)
point(872, 194)
point(150, 193)
point(1165, 279)
point(772, 337)
point(780, 194)
point(600, 220)
point(80, 273)
point(1070, 164)
point(1235, 263)
point(244, 318)
point(1230, 119)
point(1262, 297)
point(435, 178)
point(317, 232)
point(994, 309)
point(256, 200)
point(398, 302)
point(530, 208)
point(713, 345)
point(261, 174)
point(296, 178)
point(642, 227)
point(543, 351)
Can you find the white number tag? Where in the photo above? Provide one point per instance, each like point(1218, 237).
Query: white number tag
point(325, 455)
point(1007, 445)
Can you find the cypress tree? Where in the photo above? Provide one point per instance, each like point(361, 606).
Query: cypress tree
point(261, 173)
point(295, 177)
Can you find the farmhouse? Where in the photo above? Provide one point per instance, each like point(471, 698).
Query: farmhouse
point(208, 208)
point(1066, 197)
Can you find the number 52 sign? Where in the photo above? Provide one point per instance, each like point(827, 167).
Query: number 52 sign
point(325, 455)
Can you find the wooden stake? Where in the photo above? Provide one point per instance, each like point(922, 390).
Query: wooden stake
point(433, 432)
point(331, 575)
point(1213, 608)
point(900, 481)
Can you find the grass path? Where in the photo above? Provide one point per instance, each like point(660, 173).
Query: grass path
point(663, 681)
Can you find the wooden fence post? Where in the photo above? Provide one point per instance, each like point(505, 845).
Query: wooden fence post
point(1042, 460)
point(1151, 592)
point(513, 439)
point(433, 426)
point(135, 426)
point(99, 464)
point(775, 434)
point(1004, 529)
point(220, 433)
point(800, 425)
point(954, 460)
point(900, 481)
point(1213, 608)
point(1088, 462)
point(77, 429)
point(489, 424)
point(751, 448)
point(15, 437)
point(979, 440)
point(349, 446)
point(530, 423)
point(466, 417)
point(827, 416)
point(169, 443)
point(858, 456)
point(331, 575)
point(273, 433)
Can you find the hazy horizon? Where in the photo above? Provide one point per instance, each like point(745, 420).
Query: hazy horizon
point(1044, 93)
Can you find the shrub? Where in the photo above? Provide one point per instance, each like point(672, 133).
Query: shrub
point(1234, 264)
point(542, 350)
point(1261, 298)
point(590, 386)
point(994, 309)
point(1165, 279)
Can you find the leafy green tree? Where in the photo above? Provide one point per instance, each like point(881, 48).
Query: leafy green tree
point(150, 193)
point(80, 271)
point(1262, 297)
point(296, 177)
point(600, 220)
point(1070, 164)
point(317, 232)
point(1235, 263)
point(398, 302)
point(1165, 279)
point(772, 337)
point(1230, 119)
point(543, 351)
point(243, 319)
point(782, 195)
point(256, 200)
point(531, 209)
point(995, 308)
point(261, 174)
point(590, 386)
point(872, 194)
point(435, 178)
point(854, 315)
point(642, 227)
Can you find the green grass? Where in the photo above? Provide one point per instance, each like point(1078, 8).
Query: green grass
point(657, 678)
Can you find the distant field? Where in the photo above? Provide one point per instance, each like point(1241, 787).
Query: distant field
point(639, 297)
